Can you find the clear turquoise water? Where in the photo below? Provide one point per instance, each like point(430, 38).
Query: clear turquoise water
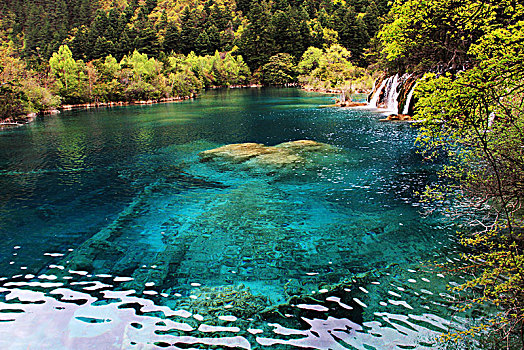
point(115, 235)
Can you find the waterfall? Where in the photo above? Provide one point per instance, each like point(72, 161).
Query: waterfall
point(374, 99)
point(391, 94)
point(386, 96)
point(408, 100)
point(491, 119)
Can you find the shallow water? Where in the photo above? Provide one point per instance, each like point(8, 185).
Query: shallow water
point(117, 236)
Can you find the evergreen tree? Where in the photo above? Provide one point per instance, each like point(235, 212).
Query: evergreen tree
point(191, 30)
point(147, 40)
point(214, 39)
point(352, 33)
point(279, 70)
point(202, 44)
point(244, 6)
point(81, 45)
point(372, 18)
point(172, 39)
point(82, 13)
point(257, 43)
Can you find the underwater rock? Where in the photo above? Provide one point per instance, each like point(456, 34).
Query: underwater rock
point(305, 145)
point(234, 300)
point(285, 154)
point(277, 159)
point(237, 153)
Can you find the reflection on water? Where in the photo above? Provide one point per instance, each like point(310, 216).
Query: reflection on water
point(84, 312)
point(117, 235)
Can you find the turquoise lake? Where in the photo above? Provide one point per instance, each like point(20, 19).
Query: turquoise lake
point(116, 235)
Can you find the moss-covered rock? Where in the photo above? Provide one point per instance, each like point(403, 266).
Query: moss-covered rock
point(287, 154)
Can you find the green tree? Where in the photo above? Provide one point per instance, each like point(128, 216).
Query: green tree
point(69, 75)
point(257, 42)
point(353, 33)
point(477, 118)
point(107, 87)
point(291, 32)
point(310, 60)
point(191, 29)
point(332, 69)
point(172, 39)
point(21, 92)
point(280, 70)
point(182, 81)
point(145, 79)
point(423, 35)
point(372, 18)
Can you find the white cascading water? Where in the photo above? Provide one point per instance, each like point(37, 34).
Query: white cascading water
point(374, 100)
point(389, 100)
point(491, 119)
point(408, 100)
point(391, 95)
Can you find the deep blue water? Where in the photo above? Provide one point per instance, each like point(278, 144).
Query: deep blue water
point(116, 235)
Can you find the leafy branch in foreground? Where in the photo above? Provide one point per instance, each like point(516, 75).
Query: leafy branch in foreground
point(477, 117)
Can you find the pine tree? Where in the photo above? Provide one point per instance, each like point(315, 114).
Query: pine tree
point(244, 6)
point(191, 29)
point(81, 46)
point(352, 32)
point(372, 18)
point(82, 14)
point(257, 43)
point(147, 40)
point(202, 44)
point(172, 39)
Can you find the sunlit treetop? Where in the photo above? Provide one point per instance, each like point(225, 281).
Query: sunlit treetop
point(426, 34)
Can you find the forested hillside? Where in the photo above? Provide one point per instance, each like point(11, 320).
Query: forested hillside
point(96, 28)
point(98, 51)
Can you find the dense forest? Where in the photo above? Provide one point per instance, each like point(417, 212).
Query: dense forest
point(94, 29)
point(85, 51)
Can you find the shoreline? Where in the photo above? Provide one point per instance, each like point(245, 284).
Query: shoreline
point(332, 91)
point(29, 118)
point(121, 103)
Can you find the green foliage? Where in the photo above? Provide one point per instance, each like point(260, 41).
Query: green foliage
point(21, 89)
point(69, 75)
point(182, 79)
point(219, 69)
point(323, 37)
point(353, 33)
point(477, 117)
point(472, 111)
point(138, 77)
point(93, 29)
point(332, 69)
point(71, 39)
point(425, 34)
point(14, 101)
point(280, 70)
point(257, 43)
